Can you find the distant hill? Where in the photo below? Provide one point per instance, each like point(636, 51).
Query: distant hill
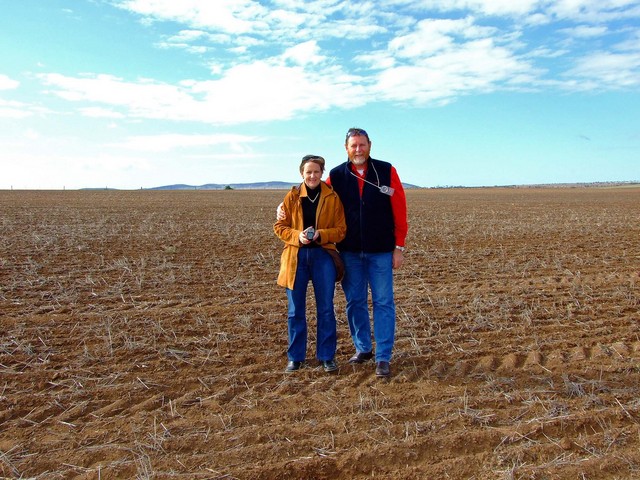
point(242, 186)
point(235, 186)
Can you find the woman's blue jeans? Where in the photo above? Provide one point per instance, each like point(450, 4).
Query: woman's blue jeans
point(375, 270)
point(314, 264)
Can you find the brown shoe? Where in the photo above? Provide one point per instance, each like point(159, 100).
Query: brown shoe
point(382, 369)
point(361, 357)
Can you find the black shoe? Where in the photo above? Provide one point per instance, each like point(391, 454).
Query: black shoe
point(293, 366)
point(329, 365)
point(361, 357)
point(382, 369)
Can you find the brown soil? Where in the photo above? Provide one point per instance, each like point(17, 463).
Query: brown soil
point(143, 336)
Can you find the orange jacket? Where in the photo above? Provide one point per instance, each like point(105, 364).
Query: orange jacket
point(330, 224)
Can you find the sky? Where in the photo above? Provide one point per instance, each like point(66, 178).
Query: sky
point(132, 94)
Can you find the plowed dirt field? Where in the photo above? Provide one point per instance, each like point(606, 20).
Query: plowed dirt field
point(142, 335)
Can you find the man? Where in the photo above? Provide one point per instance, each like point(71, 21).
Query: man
point(376, 214)
point(375, 208)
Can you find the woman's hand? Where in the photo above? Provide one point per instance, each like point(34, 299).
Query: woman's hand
point(303, 236)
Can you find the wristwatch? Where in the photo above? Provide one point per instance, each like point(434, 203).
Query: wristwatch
point(400, 248)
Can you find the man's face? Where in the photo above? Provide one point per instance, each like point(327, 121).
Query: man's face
point(358, 148)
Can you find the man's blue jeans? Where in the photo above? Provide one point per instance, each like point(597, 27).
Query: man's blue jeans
point(375, 270)
point(314, 264)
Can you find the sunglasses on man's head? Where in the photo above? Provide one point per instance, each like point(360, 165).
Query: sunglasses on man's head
point(356, 132)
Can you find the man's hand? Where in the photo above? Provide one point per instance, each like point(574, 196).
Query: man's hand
point(398, 258)
point(280, 215)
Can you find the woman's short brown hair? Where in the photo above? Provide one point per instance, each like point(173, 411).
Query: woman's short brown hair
point(312, 158)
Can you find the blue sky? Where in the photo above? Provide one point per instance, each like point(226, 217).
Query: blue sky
point(142, 93)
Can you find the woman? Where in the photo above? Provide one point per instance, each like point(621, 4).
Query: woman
point(313, 224)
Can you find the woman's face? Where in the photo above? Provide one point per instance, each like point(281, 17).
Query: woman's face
point(311, 174)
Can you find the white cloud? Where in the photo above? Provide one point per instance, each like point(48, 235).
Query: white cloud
point(97, 112)
point(145, 98)
point(607, 70)
point(188, 36)
point(7, 83)
point(232, 16)
point(294, 20)
point(430, 37)
point(53, 170)
point(11, 109)
point(300, 57)
point(476, 66)
point(535, 11)
point(536, 19)
point(194, 41)
point(379, 60)
point(260, 91)
point(593, 10)
point(304, 53)
point(631, 44)
point(13, 113)
point(443, 58)
point(287, 19)
point(500, 7)
point(298, 19)
point(585, 31)
point(247, 92)
point(485, 7)
point(159, 143)
point(435, 35)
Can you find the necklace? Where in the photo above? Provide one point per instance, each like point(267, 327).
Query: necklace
point(315, 198)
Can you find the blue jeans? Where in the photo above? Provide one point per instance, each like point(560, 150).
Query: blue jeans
point(375, 270)
point(316, 265)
